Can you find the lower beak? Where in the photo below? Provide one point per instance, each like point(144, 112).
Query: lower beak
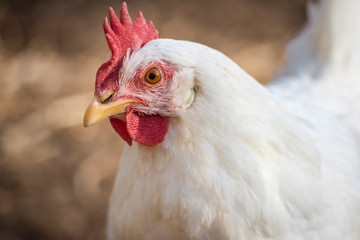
point(97, 111)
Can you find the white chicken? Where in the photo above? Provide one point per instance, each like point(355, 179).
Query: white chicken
point(216, 155)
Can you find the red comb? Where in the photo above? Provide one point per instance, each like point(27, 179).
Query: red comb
point(123, 34)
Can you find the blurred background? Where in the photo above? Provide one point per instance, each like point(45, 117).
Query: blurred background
point(56, 176)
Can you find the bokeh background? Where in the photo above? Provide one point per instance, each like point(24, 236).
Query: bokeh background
point(56, 176)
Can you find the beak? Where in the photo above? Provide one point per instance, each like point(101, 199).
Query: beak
point(97, 111)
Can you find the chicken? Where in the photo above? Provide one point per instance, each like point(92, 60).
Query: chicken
point(213, 154)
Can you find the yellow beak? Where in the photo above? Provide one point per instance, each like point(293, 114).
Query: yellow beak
point(97, 111)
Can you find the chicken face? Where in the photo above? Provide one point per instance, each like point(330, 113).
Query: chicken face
point(136, 92)
point(139, 108)
point(143, 100)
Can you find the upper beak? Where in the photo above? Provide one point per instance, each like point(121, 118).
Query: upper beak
point(97, 111)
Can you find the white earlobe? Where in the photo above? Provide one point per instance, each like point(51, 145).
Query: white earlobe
point(188, 98)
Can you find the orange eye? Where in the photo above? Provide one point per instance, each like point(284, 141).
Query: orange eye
point(152, 76)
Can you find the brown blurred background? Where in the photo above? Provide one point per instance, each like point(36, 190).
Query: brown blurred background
point(56, 176)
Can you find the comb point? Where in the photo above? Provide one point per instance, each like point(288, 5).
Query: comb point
point(111, 11)
point(114, 22)
point(125, 18)
point(108, 29)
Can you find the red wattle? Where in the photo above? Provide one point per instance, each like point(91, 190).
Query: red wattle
point(120, 127)
point(148, 130)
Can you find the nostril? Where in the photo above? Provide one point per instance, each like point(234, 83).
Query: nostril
point(106, 99)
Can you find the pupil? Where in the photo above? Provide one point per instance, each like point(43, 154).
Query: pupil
point(152, 76)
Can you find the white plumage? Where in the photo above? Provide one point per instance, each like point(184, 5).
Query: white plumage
point(248, 162)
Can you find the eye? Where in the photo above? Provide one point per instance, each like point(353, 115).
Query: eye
point(153, 76)
point(106, 98)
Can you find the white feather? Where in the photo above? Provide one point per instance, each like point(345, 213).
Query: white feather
point(243, 162)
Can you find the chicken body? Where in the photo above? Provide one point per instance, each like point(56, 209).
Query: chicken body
point(237, 164)
point(238, 161)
